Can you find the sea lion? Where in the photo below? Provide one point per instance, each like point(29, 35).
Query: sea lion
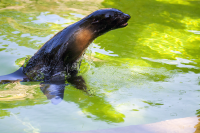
point(60, 56)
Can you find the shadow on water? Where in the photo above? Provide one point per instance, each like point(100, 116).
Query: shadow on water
point(57, 91)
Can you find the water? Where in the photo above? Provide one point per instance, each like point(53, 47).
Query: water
point(144, 73)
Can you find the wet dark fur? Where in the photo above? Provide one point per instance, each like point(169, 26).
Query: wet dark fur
point(60, 55)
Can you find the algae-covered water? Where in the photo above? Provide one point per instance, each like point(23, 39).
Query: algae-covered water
point(146, 72)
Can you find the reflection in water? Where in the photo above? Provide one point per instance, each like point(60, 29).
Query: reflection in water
point(91, 105)
point(95, 107)
point(53, 91)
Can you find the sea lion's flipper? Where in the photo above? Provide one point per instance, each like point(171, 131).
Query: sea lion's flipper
point(15, 76)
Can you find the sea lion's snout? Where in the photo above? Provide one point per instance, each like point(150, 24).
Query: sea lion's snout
point(126, 16)
point(123, 20)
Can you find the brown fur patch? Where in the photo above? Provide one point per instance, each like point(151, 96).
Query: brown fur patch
point(84, 38)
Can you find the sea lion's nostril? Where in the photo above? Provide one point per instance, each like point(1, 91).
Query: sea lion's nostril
point(127, 16)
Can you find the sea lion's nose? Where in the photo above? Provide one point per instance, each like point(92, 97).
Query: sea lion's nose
point(127, 16)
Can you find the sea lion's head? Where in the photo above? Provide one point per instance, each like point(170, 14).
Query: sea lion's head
point(104, 20)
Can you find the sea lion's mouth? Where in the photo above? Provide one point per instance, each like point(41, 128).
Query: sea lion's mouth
point(124, 20)
point(124, 24)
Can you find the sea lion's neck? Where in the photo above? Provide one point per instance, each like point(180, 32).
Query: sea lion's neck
point(77, 42)
point(83, 38)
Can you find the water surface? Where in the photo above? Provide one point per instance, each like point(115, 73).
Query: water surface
point(144, 73)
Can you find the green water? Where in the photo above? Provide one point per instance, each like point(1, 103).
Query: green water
point(144, 73)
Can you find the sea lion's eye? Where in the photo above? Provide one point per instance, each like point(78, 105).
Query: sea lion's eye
point(95, 21)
